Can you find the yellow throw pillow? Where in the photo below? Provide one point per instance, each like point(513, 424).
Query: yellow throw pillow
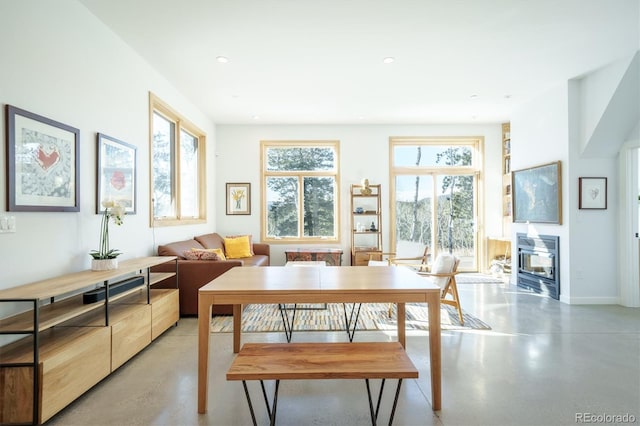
point(217, 251)
point(237, 248)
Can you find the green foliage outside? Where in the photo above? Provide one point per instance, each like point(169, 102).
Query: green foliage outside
point(318, 192)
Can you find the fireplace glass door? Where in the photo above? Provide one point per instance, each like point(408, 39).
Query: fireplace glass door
point(537, 263)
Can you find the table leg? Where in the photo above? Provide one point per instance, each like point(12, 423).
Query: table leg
point(402, 316)
point(433, 301)
point(204, 330)
point(237, 327)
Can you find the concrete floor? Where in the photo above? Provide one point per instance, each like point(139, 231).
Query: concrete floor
point(543, 363)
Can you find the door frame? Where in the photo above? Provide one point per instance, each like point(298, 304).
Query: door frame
point(629, 244)
point(476, 170)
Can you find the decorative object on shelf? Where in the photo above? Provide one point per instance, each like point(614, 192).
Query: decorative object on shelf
point(359, 210)
point(116, 173)
point(105, 257)
point(43, 163)
point(537, 194)
point(238, 198)
point(592, 193)
point(365, 190)
point(373, 227)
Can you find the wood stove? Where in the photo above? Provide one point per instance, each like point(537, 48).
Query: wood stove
point(539, 263)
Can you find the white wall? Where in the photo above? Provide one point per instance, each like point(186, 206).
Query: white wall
point(539, 135)
point(363, 153)
point(550, 128)
point(61, 62)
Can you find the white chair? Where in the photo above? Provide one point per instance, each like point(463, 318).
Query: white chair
point(443, 273)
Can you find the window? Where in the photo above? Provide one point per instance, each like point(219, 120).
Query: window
point(300, 190)
point(177, 167)
point(434, 191)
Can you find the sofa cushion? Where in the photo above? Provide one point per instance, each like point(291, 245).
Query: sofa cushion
point(210, 241)
point(219, 252)
point(237, 248)
point(200, 254)
point(177, 248)
point(256, 260)
point(250, 241)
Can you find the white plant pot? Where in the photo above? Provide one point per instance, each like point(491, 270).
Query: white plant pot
point(104, 264)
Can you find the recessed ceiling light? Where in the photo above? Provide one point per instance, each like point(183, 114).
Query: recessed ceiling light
point(507, 96)
point(222, 59)
point(256, 117)
point(473, 97)
point(388, 59)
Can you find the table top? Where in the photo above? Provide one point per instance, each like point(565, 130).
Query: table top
point(351, 279)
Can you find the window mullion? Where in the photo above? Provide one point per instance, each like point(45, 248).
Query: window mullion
point(300, 206)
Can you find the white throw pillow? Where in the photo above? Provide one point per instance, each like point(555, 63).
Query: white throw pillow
point(443, 265)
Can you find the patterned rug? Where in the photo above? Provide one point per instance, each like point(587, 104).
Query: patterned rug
point(373, 316)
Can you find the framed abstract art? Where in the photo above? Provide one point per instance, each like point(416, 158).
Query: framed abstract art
point(43, 163)
point(116, 173)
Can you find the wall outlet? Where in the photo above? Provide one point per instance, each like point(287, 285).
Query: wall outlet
point(7, 224)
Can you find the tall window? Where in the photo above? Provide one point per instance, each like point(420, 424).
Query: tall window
point(300, 191)
point(177, 167)
point(434, 194)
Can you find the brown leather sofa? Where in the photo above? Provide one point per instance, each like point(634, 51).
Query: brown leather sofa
point(193, 274)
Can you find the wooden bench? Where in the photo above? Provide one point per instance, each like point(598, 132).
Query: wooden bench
point(297, 361)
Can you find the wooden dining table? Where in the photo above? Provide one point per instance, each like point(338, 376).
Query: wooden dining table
point(336, 284)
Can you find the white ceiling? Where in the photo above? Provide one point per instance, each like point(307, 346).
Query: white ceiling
point(303, 61)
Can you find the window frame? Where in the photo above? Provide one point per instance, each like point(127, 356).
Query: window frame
point(158, 106)
point(300, 175)
point(476, 169)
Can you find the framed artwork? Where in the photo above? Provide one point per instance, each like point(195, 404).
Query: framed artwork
point(537, 194)
point(43, 163)
point(238, 198)
point(592, 193)
point(116, 173)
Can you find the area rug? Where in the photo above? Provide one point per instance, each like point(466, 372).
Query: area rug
point(373, 316)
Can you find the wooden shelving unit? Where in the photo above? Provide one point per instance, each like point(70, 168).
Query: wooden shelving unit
point(366, 224)
point(499, 247)
point(506, 179)
point(61, 347)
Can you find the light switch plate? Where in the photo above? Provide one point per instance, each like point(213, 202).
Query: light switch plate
point(7, 224)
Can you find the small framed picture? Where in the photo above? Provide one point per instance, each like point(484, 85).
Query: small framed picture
point(592, 193)
point(116, 173)
point(238, 198)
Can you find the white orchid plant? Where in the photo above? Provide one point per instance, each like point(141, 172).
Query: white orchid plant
point(112, 211)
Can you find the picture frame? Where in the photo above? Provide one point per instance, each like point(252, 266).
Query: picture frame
point(43, 163)
point(537, 194)
point(116, 173)
point(592, 193)
point(238, 198)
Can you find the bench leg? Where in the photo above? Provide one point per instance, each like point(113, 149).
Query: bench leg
point(246, 392)
point(349, 319)
point(374, 414)
point(286, 321)
point(271, 410)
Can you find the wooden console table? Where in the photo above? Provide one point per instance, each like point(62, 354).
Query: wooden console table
point(66, 345)
point(332, 256)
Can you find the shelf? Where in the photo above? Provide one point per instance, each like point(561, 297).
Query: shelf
point(365, 241)
point(68, 346)
point(62, 310)
point(70, 283)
